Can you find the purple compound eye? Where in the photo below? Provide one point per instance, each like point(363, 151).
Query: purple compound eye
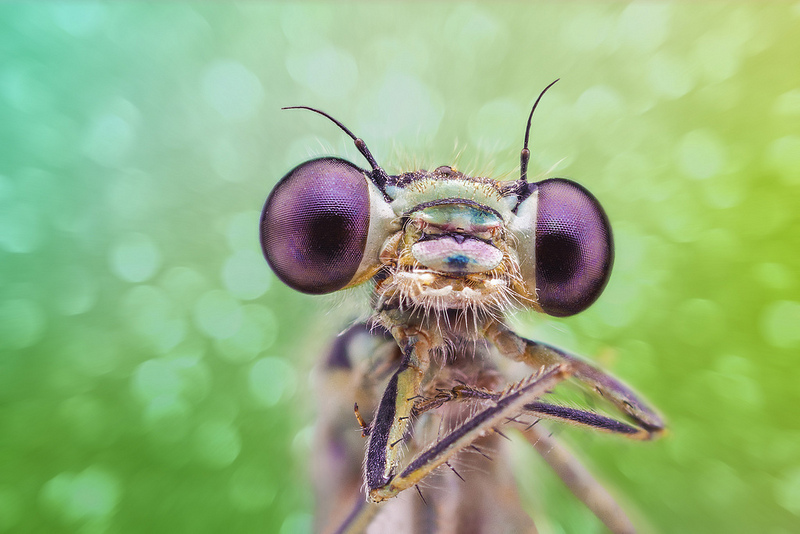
point(315, 223)
point(574, 247)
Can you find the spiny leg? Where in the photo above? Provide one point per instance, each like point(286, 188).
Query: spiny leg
point(574, 475)
point(391, 421)
point(647, 423)
point(584, 418)
point(507, 405)
point(459, 392)
point(539, 409)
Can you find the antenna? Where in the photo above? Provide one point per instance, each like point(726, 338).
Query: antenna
point(525, 155)
point(379, 176)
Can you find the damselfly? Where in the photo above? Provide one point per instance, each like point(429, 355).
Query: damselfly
point(447, 255)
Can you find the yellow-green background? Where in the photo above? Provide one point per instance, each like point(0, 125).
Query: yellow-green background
point(155, 376)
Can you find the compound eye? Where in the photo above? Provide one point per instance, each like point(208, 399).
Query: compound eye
point(574, 248)
point(315, 223)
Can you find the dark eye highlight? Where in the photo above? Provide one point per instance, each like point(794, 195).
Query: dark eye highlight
point(574, 247)
point(315, 223)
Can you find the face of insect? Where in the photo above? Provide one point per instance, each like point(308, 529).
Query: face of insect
point(447, 254)
point(440, 240)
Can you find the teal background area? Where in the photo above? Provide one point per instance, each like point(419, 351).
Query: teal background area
point(156, 377)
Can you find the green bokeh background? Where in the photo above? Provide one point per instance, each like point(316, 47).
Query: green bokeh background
point(155, 376)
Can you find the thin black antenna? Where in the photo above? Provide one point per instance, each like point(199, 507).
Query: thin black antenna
point(525, 155)
point(379, 176)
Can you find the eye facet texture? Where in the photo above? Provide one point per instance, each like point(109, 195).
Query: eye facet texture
point(315, 223)
point(574, 248)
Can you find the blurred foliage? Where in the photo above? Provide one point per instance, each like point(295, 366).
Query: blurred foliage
point(154, 375)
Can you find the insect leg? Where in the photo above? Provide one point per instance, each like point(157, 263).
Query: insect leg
point(359, 517)
point(574, 475)
point(535, 354)
point(584, 418)
point(391, 421)
point(541, 410)
point(480, 424)
point(457, 393)
point(580, 481)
